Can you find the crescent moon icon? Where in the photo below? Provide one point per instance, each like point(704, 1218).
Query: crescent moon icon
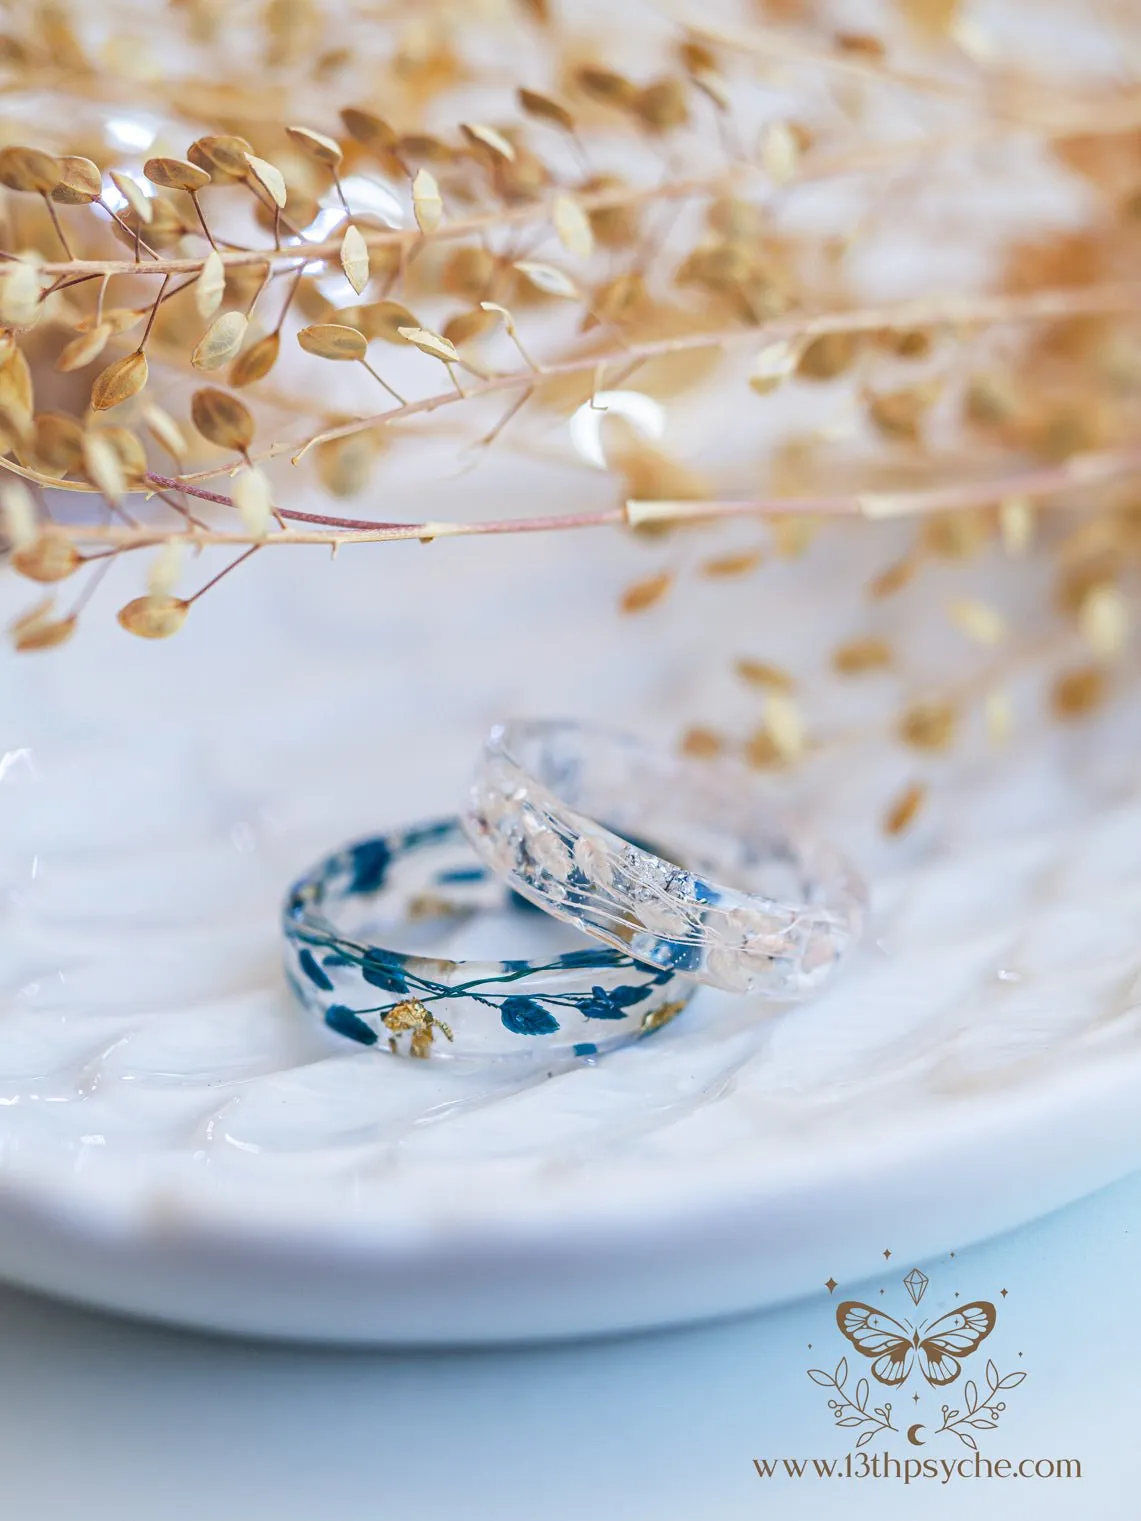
point(913, 1437)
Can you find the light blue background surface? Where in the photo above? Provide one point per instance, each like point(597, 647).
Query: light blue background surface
point(105, 1419)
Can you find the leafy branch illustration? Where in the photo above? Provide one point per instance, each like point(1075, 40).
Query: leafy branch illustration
point(849, 1411)
point(980, 1412)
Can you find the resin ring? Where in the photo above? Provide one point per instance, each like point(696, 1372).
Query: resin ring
point(424, 890)
point(726, 893)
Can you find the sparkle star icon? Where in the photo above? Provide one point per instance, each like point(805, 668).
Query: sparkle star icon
point(915, 1397)
point(886, 1255)
point(831, 1285)
point(1003, 1293)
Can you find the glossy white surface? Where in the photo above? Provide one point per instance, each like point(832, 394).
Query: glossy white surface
point(176, 1141)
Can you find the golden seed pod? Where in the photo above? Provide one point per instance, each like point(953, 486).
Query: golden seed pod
point(370, 130)
point(829, 355)
point(928, 724)
point(163, 428)
point(58, 443)
point(270, 178)
point(326, 150)
point(256, 361)
point(860, 655)
point(120, 381)
point(117, 319)
point(481, 136)
point(223, 158)
point(427, 205)
point(701, 743)
point(605, 86)
point(82, 350)
point(50, 557)
point(543, 108)
point(36, 630)
point(431, 343)
point(661, 105)
point(176, 174)
point(222, 419)
point(344, 465)
point(220, 342)
point(573, 227)
point(134, 195)
point(102, 465)
point(1079, 692)
point(354, 258)
point(20, 294)
point(548, 278)
point(210, 286)
point(761, 673)
point(465, 326)
point(644, 594)
point(903, 810)
point(153, 617)
point(251, 497)
point(80, 182)
point(332, 340)
point(29, 169)
point(384, 319)
point(128, 450)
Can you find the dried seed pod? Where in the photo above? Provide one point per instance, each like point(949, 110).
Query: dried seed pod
point(724, 566)
point(51, 556)
point(18, 515)
point(701, 743)
point(464, 327)
point(860, 655)
point(573, 227)
point(83, 349)
point(549, 279)
point(128, 449)
point(1079, 692)
point(644, 594)
point(103, 467)
point(928, 724)
point(543, 108)
point(481, 136)
point(135, 196)
point(80, 181)
point(21, 293)
point(761, 673)
point(222, 419)
point(775, 362)
point(153, 617)
point(120, 381)
point(333, 340)
point(344, 465)
point(427, 205)
point(255, 363)
point(58, 443)
point(118, 319)
point(985, 625)
point(370, 130)
point(384, 319)
point(780, 152)
point(165, 568)
point(1016, 524)
point(784, 724)
point(37, 630)
point(251, 497)
point(326, 150)
point(431, 343)
point(893, 579)
point(210, 286)
point(270, 178)
point(1104, 620)
point(165, 431)
point(224, 158)
point(29, 169)
point(829, 355)
point(354, 258)
point(605, 86)
point(220, 342)
point(661, 105)
point(904, 809)
point(176, 174)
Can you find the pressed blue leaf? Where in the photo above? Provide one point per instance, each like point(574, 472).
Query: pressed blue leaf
point(584, 1048)
point(383, 971)
point(313, 970)
point(345, 1022)
point(370, 865)
point(625, 996)
point(602, 956)
point(527, 1016)
point(459, 874)
point(428, 834)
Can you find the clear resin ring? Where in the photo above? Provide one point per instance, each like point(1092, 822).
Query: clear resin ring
point(422, 890)
point(727, 893)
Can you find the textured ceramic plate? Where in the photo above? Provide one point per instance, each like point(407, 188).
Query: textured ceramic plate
point(176, 1140)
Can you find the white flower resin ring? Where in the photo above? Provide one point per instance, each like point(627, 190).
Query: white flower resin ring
point(727, 893)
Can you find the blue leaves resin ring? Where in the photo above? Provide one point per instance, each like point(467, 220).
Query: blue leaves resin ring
point(728, 892)
point(423, 890)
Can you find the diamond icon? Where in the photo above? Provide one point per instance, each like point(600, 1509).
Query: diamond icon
point(916, 1284)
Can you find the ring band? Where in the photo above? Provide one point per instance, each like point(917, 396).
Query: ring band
point(423, 883)
point(555, 809)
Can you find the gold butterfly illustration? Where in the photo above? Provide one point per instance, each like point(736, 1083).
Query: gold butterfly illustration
point(894, 1346)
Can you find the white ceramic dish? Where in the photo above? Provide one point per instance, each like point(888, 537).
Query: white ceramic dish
point(177, 1142)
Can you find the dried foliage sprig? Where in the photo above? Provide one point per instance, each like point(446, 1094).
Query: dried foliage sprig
point(164, 301)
